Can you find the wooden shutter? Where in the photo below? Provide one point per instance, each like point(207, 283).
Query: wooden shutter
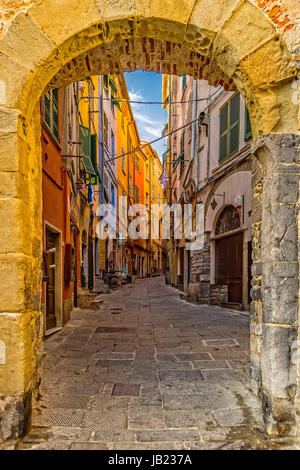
point(223, 132)
point(47, 108)
point(94, 150)
point(85, 149)
point(234, 120)
point(55, 114)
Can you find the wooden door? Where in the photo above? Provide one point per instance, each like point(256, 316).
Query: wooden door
point(229, 266)
point(50, 285)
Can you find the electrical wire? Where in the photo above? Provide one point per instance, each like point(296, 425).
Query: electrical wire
point(147, 102)
point(152, 142)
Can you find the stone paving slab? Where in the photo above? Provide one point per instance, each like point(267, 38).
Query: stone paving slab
point(182, 368)
point(188, 419)
point(104, 420)
point(145, 417)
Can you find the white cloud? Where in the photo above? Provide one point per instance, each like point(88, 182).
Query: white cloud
point(155, 131)
point(135, 95)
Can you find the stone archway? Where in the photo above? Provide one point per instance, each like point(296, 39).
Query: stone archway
point(230, 44)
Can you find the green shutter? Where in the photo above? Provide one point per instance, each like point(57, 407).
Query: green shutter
point(248, 128)
point(51, 112)
point(223, 147)
point(85, 149)
point(234, 109)
point(94, 151)
point(113, 85)
point(47, 108)
point(223, 117)
point(234, 139)
point(234, 112)
point(94, 179)
point(55, 95)
point(55, 116)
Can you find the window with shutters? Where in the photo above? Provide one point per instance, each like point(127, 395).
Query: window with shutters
point(183, 83)
point(248, 128)
point(229, 127)
point(51, 112)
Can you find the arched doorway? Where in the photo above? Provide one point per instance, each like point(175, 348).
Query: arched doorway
point(231, 44)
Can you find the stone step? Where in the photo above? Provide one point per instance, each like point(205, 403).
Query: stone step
point(232, 306)
point(96, 304)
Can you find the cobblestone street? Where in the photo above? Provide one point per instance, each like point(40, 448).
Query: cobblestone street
point(148, 371)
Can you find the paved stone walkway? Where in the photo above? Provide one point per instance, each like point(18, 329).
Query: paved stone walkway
point(148, 371)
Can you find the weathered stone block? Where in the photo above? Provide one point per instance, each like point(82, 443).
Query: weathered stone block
point(80, 15)
point(278, 371)
point(15, 234)
point(22, 32)
point(15, 282)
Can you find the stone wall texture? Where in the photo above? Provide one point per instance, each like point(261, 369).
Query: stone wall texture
point(47, 43)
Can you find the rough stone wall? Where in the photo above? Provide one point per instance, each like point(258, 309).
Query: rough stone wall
point(146, 53)
point(275, 286)
point(218, 294)
point(200, 263)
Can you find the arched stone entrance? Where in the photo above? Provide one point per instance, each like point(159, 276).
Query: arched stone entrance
point(233, 43)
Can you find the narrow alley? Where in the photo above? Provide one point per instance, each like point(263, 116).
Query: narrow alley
point(148, 371)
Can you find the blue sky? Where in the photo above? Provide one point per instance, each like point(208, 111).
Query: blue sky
point(150, 119)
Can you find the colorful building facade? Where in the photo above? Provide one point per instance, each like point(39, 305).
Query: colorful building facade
point(209, 163)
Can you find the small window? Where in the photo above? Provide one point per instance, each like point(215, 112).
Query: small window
point(183, 83)
point(229, 127)
point(137, 161)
